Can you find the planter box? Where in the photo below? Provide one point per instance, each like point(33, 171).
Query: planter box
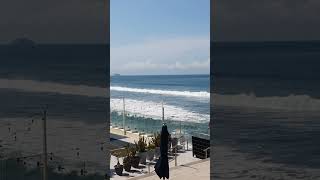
point(127, 164)
point(150, 155)
point(135, 161)
point(118, 169)
point(174, 143)
point(143, 157)
point(157, 152)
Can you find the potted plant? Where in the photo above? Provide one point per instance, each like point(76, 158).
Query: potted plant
point(141, 146)
point(150, 152)
point(118, 168)
point(156, 141)
point(134, 160)
point(127, 159)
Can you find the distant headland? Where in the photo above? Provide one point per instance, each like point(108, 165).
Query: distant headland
point(24, 42)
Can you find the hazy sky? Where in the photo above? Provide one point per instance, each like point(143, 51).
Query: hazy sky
point(54, 21)
point(266, 20)
point(160, 37)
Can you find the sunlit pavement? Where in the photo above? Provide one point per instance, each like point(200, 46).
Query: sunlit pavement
point(199, 170)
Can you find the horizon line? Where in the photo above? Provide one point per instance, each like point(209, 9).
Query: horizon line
point(115, 74)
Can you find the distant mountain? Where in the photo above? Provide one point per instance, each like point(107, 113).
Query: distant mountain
point(23, 42)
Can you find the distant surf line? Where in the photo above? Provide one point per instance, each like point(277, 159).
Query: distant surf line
point(52, 87)
point(291, 103)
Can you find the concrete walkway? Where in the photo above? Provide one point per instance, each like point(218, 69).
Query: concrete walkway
point(188, 166)
point(199, 170)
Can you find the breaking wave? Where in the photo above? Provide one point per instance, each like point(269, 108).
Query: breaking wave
point(199, 94)
point(154, 110)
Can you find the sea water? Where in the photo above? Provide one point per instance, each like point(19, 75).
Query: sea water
point(266, 110)
point(71, 81)
point(184, 98)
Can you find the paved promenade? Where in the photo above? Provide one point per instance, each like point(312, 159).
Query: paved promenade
point(188, 166)
point(199, 170)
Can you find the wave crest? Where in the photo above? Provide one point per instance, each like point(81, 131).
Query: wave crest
point(291, 102)
point(154, 110)
point(199, 94)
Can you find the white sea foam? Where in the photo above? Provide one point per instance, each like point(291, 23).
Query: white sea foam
point(199, 94)
point(291, 102)
point(154, 110)
point(51, 87)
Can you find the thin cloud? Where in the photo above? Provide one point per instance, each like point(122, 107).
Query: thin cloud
point(193, 66)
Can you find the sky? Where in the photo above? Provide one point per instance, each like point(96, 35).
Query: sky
point(152, 37)
point(136, 20)
point(56, 21)
point(266, 20)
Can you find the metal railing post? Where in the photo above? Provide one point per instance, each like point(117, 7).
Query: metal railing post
point(175, 156)
point(45, 160)
point(187, 145)
point(124, 118)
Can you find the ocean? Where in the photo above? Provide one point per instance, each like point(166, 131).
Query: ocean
point(185, 99)
point(71, 81)
point(265, 110)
